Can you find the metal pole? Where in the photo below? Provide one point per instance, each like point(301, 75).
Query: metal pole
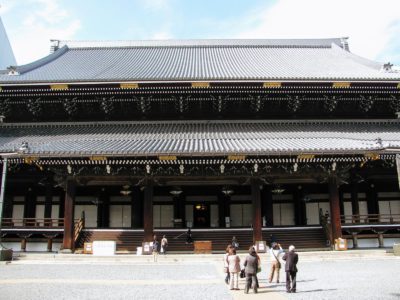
point(3, 185)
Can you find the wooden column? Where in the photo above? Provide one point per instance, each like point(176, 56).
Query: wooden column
point(256, 209)
point(267, 206)
point(355, 206)
point(148, 211)
point(30, 204)
point(23, 244)
point(49, 244)
point(335, 207)
point(221, 210)
point(137, 208)
point(372, 199)
point(182, 209)
point(299, 204)
point(103, 209)
point(68, 241)
point(341, 201)
point(48, 202)
point(61, 206)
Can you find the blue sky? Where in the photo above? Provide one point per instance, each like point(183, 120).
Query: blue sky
point(372, 26)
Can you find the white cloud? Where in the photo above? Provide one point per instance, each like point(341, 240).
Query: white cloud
point(368, 24)
point(162, 35)
point(42, 21)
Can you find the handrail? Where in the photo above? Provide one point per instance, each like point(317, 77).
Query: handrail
point(370, 218)
point(324, 221)
point(78, 226)
point(32, 223)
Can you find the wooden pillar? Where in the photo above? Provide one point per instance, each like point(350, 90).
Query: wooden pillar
point(372, 199)
point(61, 206)
point(23, 244)
point(137, 208)
point(341, 201)
point(103, 209)
point(148, 211)
point(221, 210)
point(49, 244)
point(335, 207)
point(30, 204)
point(48, 203)
point(267, 206)
point(182, 209)
point(256, 211)
point(179, 208)
point(68, 241)
point(355, 206)
point(299, 204)
point(380, 239)
point(355, 240)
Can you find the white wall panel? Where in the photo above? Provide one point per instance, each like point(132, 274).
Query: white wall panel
point(312, 213)
point(90, 214)
point(247, 215)
point(18, 211)
point(287, 214)
point(214, 215)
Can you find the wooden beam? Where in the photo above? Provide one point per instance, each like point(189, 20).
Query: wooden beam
point(256, 210)
point(148, 211)
point(68, 240)
point(335, 207)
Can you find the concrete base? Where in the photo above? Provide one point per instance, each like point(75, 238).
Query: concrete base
point(65, 251)
point(6, 254)
point(396, 249)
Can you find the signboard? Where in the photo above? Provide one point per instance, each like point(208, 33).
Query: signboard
point(261, 246)
point(104, 248)
point(88, 248)
point(147, 247)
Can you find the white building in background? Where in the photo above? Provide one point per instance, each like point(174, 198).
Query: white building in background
point(6, 54)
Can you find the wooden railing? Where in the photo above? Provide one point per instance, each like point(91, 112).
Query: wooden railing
point(32, 223)
point(370, 219)
point(324, 221)
point(79, 226)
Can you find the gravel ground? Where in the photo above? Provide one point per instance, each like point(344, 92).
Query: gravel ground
point(317, 279)
point(111, 282)
point(348, 279)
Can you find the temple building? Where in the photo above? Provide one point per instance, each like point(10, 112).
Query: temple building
point(291, 139)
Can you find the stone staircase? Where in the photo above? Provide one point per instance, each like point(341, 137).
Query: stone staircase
point(129, 240)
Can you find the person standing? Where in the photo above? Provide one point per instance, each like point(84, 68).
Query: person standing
point(234, 269)
point(164, 245)
point(251, 266)
point(226, 267)
point(189, 239)
point(291, 258)
point(235, 243)
point(155, 248)
point(274, 252)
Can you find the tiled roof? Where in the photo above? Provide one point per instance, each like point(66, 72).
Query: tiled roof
point(188, 138)
point(201, 60)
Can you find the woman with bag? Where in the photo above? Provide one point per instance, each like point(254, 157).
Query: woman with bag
point(234, 269)
point(274, 252)
point(251, 267)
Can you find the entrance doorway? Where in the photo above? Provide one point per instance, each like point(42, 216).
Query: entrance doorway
point(201, 215)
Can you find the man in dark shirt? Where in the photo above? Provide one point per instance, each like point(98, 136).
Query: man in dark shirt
point(291, 258)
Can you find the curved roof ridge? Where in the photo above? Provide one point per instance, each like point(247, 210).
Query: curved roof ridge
point(38, 63)
point(203, 43)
